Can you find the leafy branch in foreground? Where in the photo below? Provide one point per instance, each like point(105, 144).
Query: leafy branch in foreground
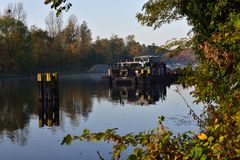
point(59, 5)
point(158, 143)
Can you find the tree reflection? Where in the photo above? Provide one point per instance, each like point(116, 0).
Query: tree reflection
point(76, 98)
point(16, 98)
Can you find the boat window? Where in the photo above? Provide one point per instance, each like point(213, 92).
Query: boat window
point(145, 59)
point(137, 59)
point(154, 59)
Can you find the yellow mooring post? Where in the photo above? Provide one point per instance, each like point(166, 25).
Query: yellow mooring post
point(40, 81)
point(47, 86)
point(55, 86)
point(40, 86)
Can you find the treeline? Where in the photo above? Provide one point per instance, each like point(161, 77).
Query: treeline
point(60, 47)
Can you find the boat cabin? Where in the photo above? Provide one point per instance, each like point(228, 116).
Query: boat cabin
point(146, 59)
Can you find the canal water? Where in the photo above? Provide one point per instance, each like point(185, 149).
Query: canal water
point(85, 103)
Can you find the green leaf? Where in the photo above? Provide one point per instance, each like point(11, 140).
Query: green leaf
point(123, 147)
point(138, 151)
point(237, 24)
point(203, 157)
point(86, 131)
point(67, 140)
point(198, 152)
point(166, 138)
point(161, 119)
point(210, 139)
point(205, 144)
point(132, 157)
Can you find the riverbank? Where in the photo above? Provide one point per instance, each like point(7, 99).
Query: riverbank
point(96, 69)
point(63, 75)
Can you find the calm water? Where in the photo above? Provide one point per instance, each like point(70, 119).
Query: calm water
point(84, 103)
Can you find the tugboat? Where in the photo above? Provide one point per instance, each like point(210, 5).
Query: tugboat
point(143, 70)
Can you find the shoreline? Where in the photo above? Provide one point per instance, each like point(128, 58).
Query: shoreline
point(63, 75)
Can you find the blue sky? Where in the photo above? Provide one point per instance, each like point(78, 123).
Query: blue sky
point(105, 18)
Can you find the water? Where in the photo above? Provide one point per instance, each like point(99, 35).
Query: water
point(85, 103)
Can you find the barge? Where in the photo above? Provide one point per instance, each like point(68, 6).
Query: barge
point(143, 70)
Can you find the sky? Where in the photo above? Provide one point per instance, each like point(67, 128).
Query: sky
point(106, 18)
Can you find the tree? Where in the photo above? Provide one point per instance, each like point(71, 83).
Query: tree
point(133, 48)
point(17, 48)
point(16, 11)
point(87, 55)
point(71, 31)
point(54, 24)
point(85, 38)
point(215, 27)
point(116, 48)
point(101, 47)
point(40, 48)
point(71, 42)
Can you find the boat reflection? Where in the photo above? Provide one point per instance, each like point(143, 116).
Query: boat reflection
point(139, 95)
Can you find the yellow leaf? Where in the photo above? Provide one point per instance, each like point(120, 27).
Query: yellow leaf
point(221, 139)
point(226, 34)
point(216, 121)
point(202, 136)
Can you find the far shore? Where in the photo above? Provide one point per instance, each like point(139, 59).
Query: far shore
point(62, 74)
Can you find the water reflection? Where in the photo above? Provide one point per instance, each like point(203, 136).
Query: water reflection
point(139, 95)
point(19, 104)
point(76, 98)
point(48, 113)
point(16, 99)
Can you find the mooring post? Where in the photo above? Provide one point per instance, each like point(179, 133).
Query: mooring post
point(49, 114)
point(41, 114)
point(48, 88)
point(55, 86)
point(56, 112)
point(48, 99)
point(40, 80)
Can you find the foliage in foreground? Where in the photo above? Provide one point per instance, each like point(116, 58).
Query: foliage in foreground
point(160, 143)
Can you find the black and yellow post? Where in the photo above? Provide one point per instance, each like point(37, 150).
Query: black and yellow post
point(48, 87)
point(40, 81)
point(55, 89)
point(48, 99)
point(55, 86)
